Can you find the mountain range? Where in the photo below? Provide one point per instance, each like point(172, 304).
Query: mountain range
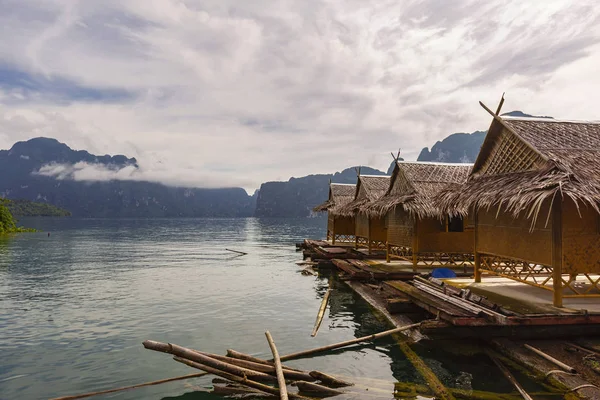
point(41, 170)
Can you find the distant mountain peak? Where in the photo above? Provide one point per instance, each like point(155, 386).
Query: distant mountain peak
point(521, 114)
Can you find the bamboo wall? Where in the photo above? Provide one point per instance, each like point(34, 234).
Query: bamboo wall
point(581, 238)
point(432, 238)
point(330, 222)
point(362, 225)
point(344, 225)
point(400, 228)
point(378, 229)
point(503, 235)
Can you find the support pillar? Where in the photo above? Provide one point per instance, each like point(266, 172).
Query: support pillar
point(476, 254)
point(557, 251)
point(387, 252)
point(415, 248)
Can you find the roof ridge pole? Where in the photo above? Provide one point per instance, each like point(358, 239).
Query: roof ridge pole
point(500, 104)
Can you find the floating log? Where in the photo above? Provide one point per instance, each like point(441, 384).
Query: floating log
point(321, 313)
point(235, 390)
point(316, 390)
point(139, 385)
point(553, 360)
point(235, 378)
point(262, 367)
point(280, 379)
point(242, 356)
point(348, 342)
point(509, 376)
point(329, 380)
point(211, 362)
point(241, 253)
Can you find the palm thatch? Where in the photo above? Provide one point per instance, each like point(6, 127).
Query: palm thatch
point(525, 161)
point(415, 185)
point(340, 194)
point(369, 188)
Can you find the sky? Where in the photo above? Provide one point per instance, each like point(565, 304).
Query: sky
point(220, 93)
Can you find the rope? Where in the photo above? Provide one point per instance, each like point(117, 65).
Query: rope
point(555, 371)
point(586, 385)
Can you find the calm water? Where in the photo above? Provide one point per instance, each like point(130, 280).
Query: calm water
point(75, 307)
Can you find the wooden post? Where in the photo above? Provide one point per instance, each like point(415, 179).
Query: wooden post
point(415, 249)
point(387, 252)
point(369, 234)
point(557, 250)
point(475, 249)
point(333, 232)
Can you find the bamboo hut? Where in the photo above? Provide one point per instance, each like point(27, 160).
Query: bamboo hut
point(370, 231)
point(418, 229)
point(535, 190)
point(340, 228)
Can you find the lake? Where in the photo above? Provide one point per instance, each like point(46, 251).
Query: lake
point(75, 307)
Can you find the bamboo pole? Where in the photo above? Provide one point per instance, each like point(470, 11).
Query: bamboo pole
point(139, 385)
point(241, 253)
point(509, 376)
point(553, 360)
point(328, 379)
point(211, 362)
point(316, 390)
point(234, 378)
point(348, 342)
point(261, 367)
point(321, 313)
point(280, 379)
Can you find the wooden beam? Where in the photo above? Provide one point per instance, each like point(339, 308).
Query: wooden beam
point(415, 247)
point(557, 250)
point(475, 249)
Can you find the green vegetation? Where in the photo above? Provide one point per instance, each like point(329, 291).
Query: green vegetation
point(7, 222)
point(26, 208)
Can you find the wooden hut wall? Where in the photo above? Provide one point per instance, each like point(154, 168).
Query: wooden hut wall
point(581, 238)
point(330, 224)
point(362, 225)
point(344, 225)
point(378, 229)
point(500, 234)
point(401, 228)
point(433, 238)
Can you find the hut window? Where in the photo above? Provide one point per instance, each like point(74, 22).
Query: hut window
point(454, 224)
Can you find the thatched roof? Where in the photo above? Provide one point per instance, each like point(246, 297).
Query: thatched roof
point(524, 161)
point(415, 185)
point(340, 194)
point(369, 188)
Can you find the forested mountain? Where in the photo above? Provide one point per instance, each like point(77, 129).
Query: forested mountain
point(297, 197)
point(107, 198)
point(26, 208)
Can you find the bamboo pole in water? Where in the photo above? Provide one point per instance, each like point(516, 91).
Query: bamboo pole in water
point(553, 360)
point(262, 367)
point(321, 313)
point(348, 342)
point(139, 385)
point(280, 379)
point(509, 376)
point(235, 378)
point(211, 362)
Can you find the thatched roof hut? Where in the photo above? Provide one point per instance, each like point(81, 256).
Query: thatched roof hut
point(340, 194)
point(415, 185)
point(369, 188)
point(524, 161)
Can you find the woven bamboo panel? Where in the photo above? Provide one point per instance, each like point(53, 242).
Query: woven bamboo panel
point(400, 230)
point(510, 154)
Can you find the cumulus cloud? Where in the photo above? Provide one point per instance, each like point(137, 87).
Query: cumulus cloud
point(261, 90)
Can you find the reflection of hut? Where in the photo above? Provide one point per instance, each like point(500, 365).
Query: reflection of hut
point(339, 228)
point(418, 230)
point(370, 231)
point(535, 190)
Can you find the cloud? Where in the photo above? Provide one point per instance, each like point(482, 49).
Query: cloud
point(255, 91)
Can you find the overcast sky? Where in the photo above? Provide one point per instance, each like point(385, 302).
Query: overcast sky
point(238, 92)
